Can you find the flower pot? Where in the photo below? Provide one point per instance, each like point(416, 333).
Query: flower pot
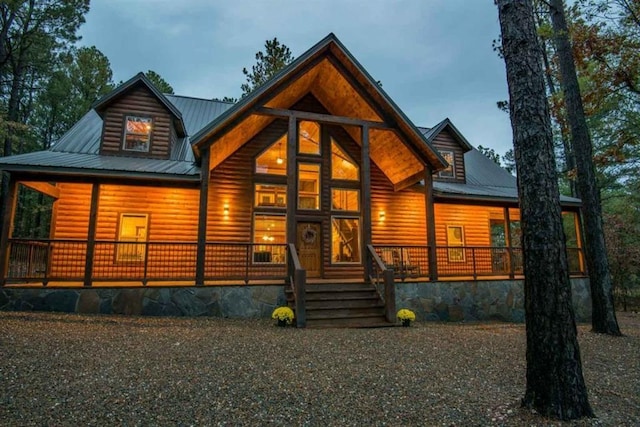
point(282, 322)
point(406, 322)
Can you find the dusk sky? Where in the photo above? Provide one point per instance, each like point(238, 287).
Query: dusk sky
point(433, 57)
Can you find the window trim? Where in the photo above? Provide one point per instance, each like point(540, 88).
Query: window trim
point(357, 190)
point(255, 244)
point(275, 206)
point(332, 141)
point(118, 257)
point(283, 150)
point(300, 136)
point(125, 132)
point(319, 192)
point(452, 164)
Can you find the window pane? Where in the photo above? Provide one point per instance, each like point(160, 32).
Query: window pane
point(345, 200)
point(449, 172)
point(342, 167)
point(269, 233)
point(309, 138)
point(308, 186)
point(273, 160)
point(345, 240)
point(132, 228)
point(271, 195)
point(137, 133)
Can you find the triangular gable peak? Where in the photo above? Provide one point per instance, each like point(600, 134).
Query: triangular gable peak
point(354, 99)
point(138, 81)
point(452, 145)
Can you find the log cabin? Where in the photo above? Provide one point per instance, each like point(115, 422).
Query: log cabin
point(316, 182)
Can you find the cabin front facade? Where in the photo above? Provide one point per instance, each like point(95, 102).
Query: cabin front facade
point(316, 177)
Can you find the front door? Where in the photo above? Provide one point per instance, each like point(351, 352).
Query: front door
point(309, 244)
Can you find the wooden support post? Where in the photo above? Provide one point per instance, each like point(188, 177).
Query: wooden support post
point(507, 234)
point(431, 223)
point(365, 202)
point(202, 217)
point(91, 234)
point(292, 183)
point(7, 227)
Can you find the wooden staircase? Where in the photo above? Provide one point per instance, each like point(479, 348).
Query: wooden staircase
point(344, 305)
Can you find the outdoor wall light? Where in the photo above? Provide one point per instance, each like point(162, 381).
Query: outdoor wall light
point(226, 210)
point(382, 215)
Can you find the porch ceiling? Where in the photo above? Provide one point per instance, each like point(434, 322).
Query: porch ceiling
point(341, 98)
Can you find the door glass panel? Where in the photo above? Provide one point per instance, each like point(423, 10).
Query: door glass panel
point(268, 195)
point(345, 240)
point(342, 166)
point(309, 138)
point(273, 160)
point(308, 186)
point(345, 200)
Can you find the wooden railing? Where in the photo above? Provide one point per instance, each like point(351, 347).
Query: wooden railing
point(65, 260)
point(297, 282)
point(464, 261)
point(382, 279)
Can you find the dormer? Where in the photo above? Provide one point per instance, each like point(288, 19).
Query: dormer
point(451, 145)
point(139, 121)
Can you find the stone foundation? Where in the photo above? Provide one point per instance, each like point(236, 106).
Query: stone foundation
point(481, 300)
point(438, 301)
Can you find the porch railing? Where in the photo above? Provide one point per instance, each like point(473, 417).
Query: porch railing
point(46, 260)
point(298, 282)
point(464, 261)
point(382, 279)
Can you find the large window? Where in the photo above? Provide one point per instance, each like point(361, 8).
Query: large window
point(273, 160)
point(309, 138)
point(345, 200)
point(269, 236)
point(342, 166)
point(132, 229)
point(137, 133)
point(308, 186)
point(345, 240)
point(450, 171)
point(455, 237)
point(271, 196)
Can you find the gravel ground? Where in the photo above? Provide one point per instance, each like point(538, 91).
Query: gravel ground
point(71, 370)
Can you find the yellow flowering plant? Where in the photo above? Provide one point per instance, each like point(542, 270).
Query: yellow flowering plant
point(283, 314)
point(406, 314)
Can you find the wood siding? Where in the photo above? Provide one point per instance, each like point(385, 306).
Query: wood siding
point(138, 102)
point(444, 141)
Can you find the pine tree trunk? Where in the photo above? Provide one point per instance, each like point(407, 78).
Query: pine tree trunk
point(555, 384)
point(603, 318)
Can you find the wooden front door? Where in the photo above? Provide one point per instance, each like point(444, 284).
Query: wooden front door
point(309, 244)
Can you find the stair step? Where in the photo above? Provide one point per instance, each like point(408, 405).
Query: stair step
point(344, 313)
point(364, 322)
point(343, 303)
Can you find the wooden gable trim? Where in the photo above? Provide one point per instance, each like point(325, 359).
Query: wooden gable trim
point(43, 187)
point(321, 118)
point(408, 182)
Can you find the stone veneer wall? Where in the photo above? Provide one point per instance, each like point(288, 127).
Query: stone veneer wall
point(438, 301)
point(481, 300)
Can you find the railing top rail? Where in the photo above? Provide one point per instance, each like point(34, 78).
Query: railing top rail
point(294, 256)
point(376, 258)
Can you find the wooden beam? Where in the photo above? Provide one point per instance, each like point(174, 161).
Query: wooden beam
point(292, 183)
point(408, 182)
point(202, 217)
point(321, 118)
point(430, 215)
point(91, 234)
point(7, 227)
point(507, 235)
point(365, 201)
point(43, 187)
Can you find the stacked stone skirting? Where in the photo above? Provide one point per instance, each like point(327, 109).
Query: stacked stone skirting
point(438, 301)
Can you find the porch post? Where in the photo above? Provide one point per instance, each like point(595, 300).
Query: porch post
point(292, 183)
point(9, 210)
point(365, 204)
point(91, 234)
point(507, 234)
point(202, 217)
point(431, 224)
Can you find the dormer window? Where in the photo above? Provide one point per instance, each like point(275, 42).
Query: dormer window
point(137, 134)
point(450, 171)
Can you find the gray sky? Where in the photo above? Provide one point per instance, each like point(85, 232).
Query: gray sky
point(434, 57)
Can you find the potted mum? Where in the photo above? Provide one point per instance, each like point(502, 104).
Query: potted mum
point(284, 316)
point(406, 316)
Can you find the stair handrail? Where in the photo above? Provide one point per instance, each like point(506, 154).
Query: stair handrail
point(297, 280)
point(388, 291)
